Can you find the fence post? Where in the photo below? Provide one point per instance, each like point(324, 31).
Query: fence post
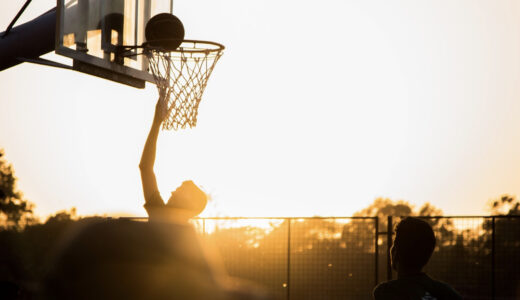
point(492, 258)
point(376, 271)
point(389, 228)
point(288, 258)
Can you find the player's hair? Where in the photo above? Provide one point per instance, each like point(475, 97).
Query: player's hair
point(190, 198)
point(414, 243)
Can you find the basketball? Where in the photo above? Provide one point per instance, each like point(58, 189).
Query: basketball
point(164, 31)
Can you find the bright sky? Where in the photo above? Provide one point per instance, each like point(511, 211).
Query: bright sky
point(316, 108)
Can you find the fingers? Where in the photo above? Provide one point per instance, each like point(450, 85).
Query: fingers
point(160, 109)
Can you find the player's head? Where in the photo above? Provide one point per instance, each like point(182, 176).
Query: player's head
point(413, 245)
point(188, 198)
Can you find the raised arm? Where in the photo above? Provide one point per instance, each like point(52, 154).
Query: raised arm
point(148, 157)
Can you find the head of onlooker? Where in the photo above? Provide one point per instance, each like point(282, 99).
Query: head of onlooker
point(413, 245)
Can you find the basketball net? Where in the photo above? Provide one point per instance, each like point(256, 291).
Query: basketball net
point(181, 77)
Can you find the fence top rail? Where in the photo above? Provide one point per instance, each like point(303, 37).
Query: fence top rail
point(324, 218)
point(462, 217)
point(282, 218)
point(262, 218)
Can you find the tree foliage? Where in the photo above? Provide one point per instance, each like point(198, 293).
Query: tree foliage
point(505, 205)
point(15, 210)
point(384, 207)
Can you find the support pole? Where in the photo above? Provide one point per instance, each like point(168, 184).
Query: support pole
point(16, 18)
point(389, 230)
point(288, 294)
point(376, 247)
point(28, 41)
point(492, 258)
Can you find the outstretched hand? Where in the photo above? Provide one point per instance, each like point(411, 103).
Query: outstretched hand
point(161, 109)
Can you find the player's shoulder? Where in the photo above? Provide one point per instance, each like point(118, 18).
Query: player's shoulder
point(385, 285)
point(444, 289)
point(418, 285)
point(154, 205)
point(385, 290)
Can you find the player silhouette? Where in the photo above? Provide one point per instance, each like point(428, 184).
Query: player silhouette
point(162, 259)
point(187, 201)
point(413, 246)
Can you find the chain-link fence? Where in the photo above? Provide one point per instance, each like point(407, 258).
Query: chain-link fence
point(345, 258)
point(299, 258)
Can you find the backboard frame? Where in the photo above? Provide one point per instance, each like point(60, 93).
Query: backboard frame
point(97, 66)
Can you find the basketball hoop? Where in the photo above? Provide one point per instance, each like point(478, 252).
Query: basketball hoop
point(181, 76)
point(180, 68)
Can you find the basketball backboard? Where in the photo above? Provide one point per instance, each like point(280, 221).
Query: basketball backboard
point(88, 32)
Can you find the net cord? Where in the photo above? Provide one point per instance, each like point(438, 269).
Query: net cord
point(182, 78)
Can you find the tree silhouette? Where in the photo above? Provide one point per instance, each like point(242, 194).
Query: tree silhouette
point(25, 252)
point(506, 205)
point(15, 211)
point(384, 207)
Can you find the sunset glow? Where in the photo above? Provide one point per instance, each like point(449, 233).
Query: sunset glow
point(316, 108)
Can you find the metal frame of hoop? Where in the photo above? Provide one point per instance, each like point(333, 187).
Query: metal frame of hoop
point(217, 46)
point(195, 57)
point(124, 50)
